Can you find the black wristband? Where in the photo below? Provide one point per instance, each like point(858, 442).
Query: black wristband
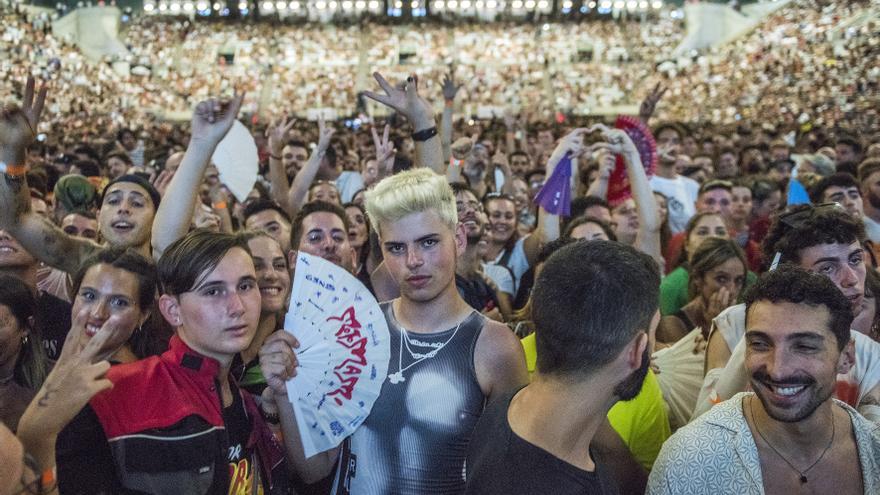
point(271, 418)
point(424, 134)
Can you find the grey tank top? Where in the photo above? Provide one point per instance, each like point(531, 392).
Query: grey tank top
point(415, 439)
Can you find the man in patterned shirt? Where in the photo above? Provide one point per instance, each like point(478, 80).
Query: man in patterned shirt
point(789, 436)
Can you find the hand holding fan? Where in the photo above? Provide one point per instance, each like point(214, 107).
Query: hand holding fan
point(237, 161)
point(618, 183)
point(343, 354)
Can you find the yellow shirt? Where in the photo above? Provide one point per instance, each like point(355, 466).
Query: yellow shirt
point(641, 422)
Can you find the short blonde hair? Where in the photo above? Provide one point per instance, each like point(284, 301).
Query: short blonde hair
point(412, 191)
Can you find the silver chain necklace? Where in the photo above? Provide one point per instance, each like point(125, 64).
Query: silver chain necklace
point(397, 377)
point(803, 474)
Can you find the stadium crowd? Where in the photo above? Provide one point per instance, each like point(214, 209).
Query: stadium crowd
point(700, 317)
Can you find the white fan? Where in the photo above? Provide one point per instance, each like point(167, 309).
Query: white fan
point(343, 354)
point(237, 161)
point(680, 378)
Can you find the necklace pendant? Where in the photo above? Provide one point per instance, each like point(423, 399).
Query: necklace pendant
point(803, 479)
point(396, 378)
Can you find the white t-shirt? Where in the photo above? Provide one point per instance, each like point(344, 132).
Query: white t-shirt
point(349, 183)
point(681, 196)
point(517, 262)
point(872, 228)
point(501, 276)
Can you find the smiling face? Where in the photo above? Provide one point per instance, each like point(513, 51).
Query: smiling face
point(792, 358)
point(126, 215)
point(469, 209)
point(12, 254)
point(218, 318)
point(502, 219)
point(109, 293)
point(273, 277)
point(420, 252)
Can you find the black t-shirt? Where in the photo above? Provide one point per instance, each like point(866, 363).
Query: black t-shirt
point(52, 321)
point(500, 462)
point(476, 292)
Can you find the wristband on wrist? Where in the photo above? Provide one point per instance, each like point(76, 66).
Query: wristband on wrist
point(424, 134)
point(453, 162)
point(271, 418)
point(13, 170)
point(274, 157)
point(220, 205)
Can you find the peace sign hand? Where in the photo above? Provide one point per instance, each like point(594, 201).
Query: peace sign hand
point(384, 150)
point(18, 126)
point(649, 104)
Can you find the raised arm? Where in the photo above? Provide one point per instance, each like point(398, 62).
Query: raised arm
point(599, 187)
point(37, 235)
point(278, 364)
point(78, 375)
point(649, 104)
point(420, 115)
point(450, 89)
point(385, 152)
point(211, 120)
point(299, 191)
point(277, 135)
point(547, 228)
point(648, 237)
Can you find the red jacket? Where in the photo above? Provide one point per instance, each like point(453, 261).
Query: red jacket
point(163, 419)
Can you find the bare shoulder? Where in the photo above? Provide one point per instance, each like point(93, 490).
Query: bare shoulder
point(499, 360)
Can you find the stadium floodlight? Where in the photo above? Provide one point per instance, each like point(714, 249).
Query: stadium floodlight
point(148, 7)
point(202, 5)
point(657, 5)
point(267, 6)
point(632, 5)
point(567, 4)
point(619, 4)
point(188, 6)
point(643, 4)
point(360, 5)
point(479, 4)
point(175, 7)
point(293, 6)
point(414, 4)
point(592, 5)
point(530, 4)
point(439, 4)
point(242, 5)
point(374, 4)
point(332, 5)
point(452, 4)
point(320, 5)
point(162, 7)
point(543, 4)
point(517, 4)
point(606, 4)
point(465, 4)
point(279, 6)
point(492, 4)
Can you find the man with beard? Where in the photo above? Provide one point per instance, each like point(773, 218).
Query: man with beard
point(472, 277)
point(869, 181)
point(542, 438)
point(321, 229)
point(789, 436)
